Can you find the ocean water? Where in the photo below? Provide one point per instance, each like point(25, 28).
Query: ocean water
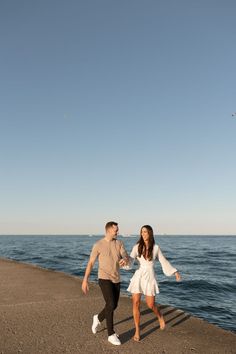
point(207, 265)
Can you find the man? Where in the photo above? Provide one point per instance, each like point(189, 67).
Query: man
point(111, 256)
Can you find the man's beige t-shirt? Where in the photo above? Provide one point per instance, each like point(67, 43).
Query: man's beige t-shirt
point(109, 254)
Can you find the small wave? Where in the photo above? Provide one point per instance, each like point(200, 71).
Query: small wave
point(201, 284)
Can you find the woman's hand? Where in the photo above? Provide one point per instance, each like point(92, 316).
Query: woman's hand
point(124, 262)
point(177, 276)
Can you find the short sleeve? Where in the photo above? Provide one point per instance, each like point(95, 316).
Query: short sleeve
point(94, 253)
point(134, 252)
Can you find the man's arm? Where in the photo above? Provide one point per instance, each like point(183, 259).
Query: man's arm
point(85, 287)
point(125, 260)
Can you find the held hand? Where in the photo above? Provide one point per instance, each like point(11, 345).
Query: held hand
point(177, 276)
point(122, 262)
point(125, 264)
point(85, 287)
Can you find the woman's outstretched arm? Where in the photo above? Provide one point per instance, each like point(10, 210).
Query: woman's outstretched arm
point(167, 268)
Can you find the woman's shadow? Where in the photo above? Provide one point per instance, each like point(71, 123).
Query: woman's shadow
point(173, 317)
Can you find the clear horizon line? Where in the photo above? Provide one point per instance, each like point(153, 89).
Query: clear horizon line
point(122, 235)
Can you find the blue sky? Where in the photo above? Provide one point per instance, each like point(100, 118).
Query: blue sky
point(117, 110)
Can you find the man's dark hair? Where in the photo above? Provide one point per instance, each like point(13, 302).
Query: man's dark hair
point(110, 224)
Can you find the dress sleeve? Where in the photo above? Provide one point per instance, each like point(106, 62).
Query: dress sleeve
point(167, 268)
point(134, 252)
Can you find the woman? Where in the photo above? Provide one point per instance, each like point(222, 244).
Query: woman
point(143, 280)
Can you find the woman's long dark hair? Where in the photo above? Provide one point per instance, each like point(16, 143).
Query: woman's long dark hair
point(141, 244)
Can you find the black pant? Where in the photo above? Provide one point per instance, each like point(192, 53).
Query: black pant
point(111, 293)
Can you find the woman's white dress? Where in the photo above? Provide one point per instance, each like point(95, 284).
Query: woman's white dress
point(144, 280)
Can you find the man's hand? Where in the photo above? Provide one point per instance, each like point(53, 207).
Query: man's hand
point(85, 287)
point(125, 263)
point(122, 262)
point(177, 276)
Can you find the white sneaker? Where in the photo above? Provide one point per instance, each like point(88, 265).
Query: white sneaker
point(95, 324)
point(113, 339)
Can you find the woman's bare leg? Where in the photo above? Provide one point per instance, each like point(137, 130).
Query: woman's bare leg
point(136, 313)
point(150, 300)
